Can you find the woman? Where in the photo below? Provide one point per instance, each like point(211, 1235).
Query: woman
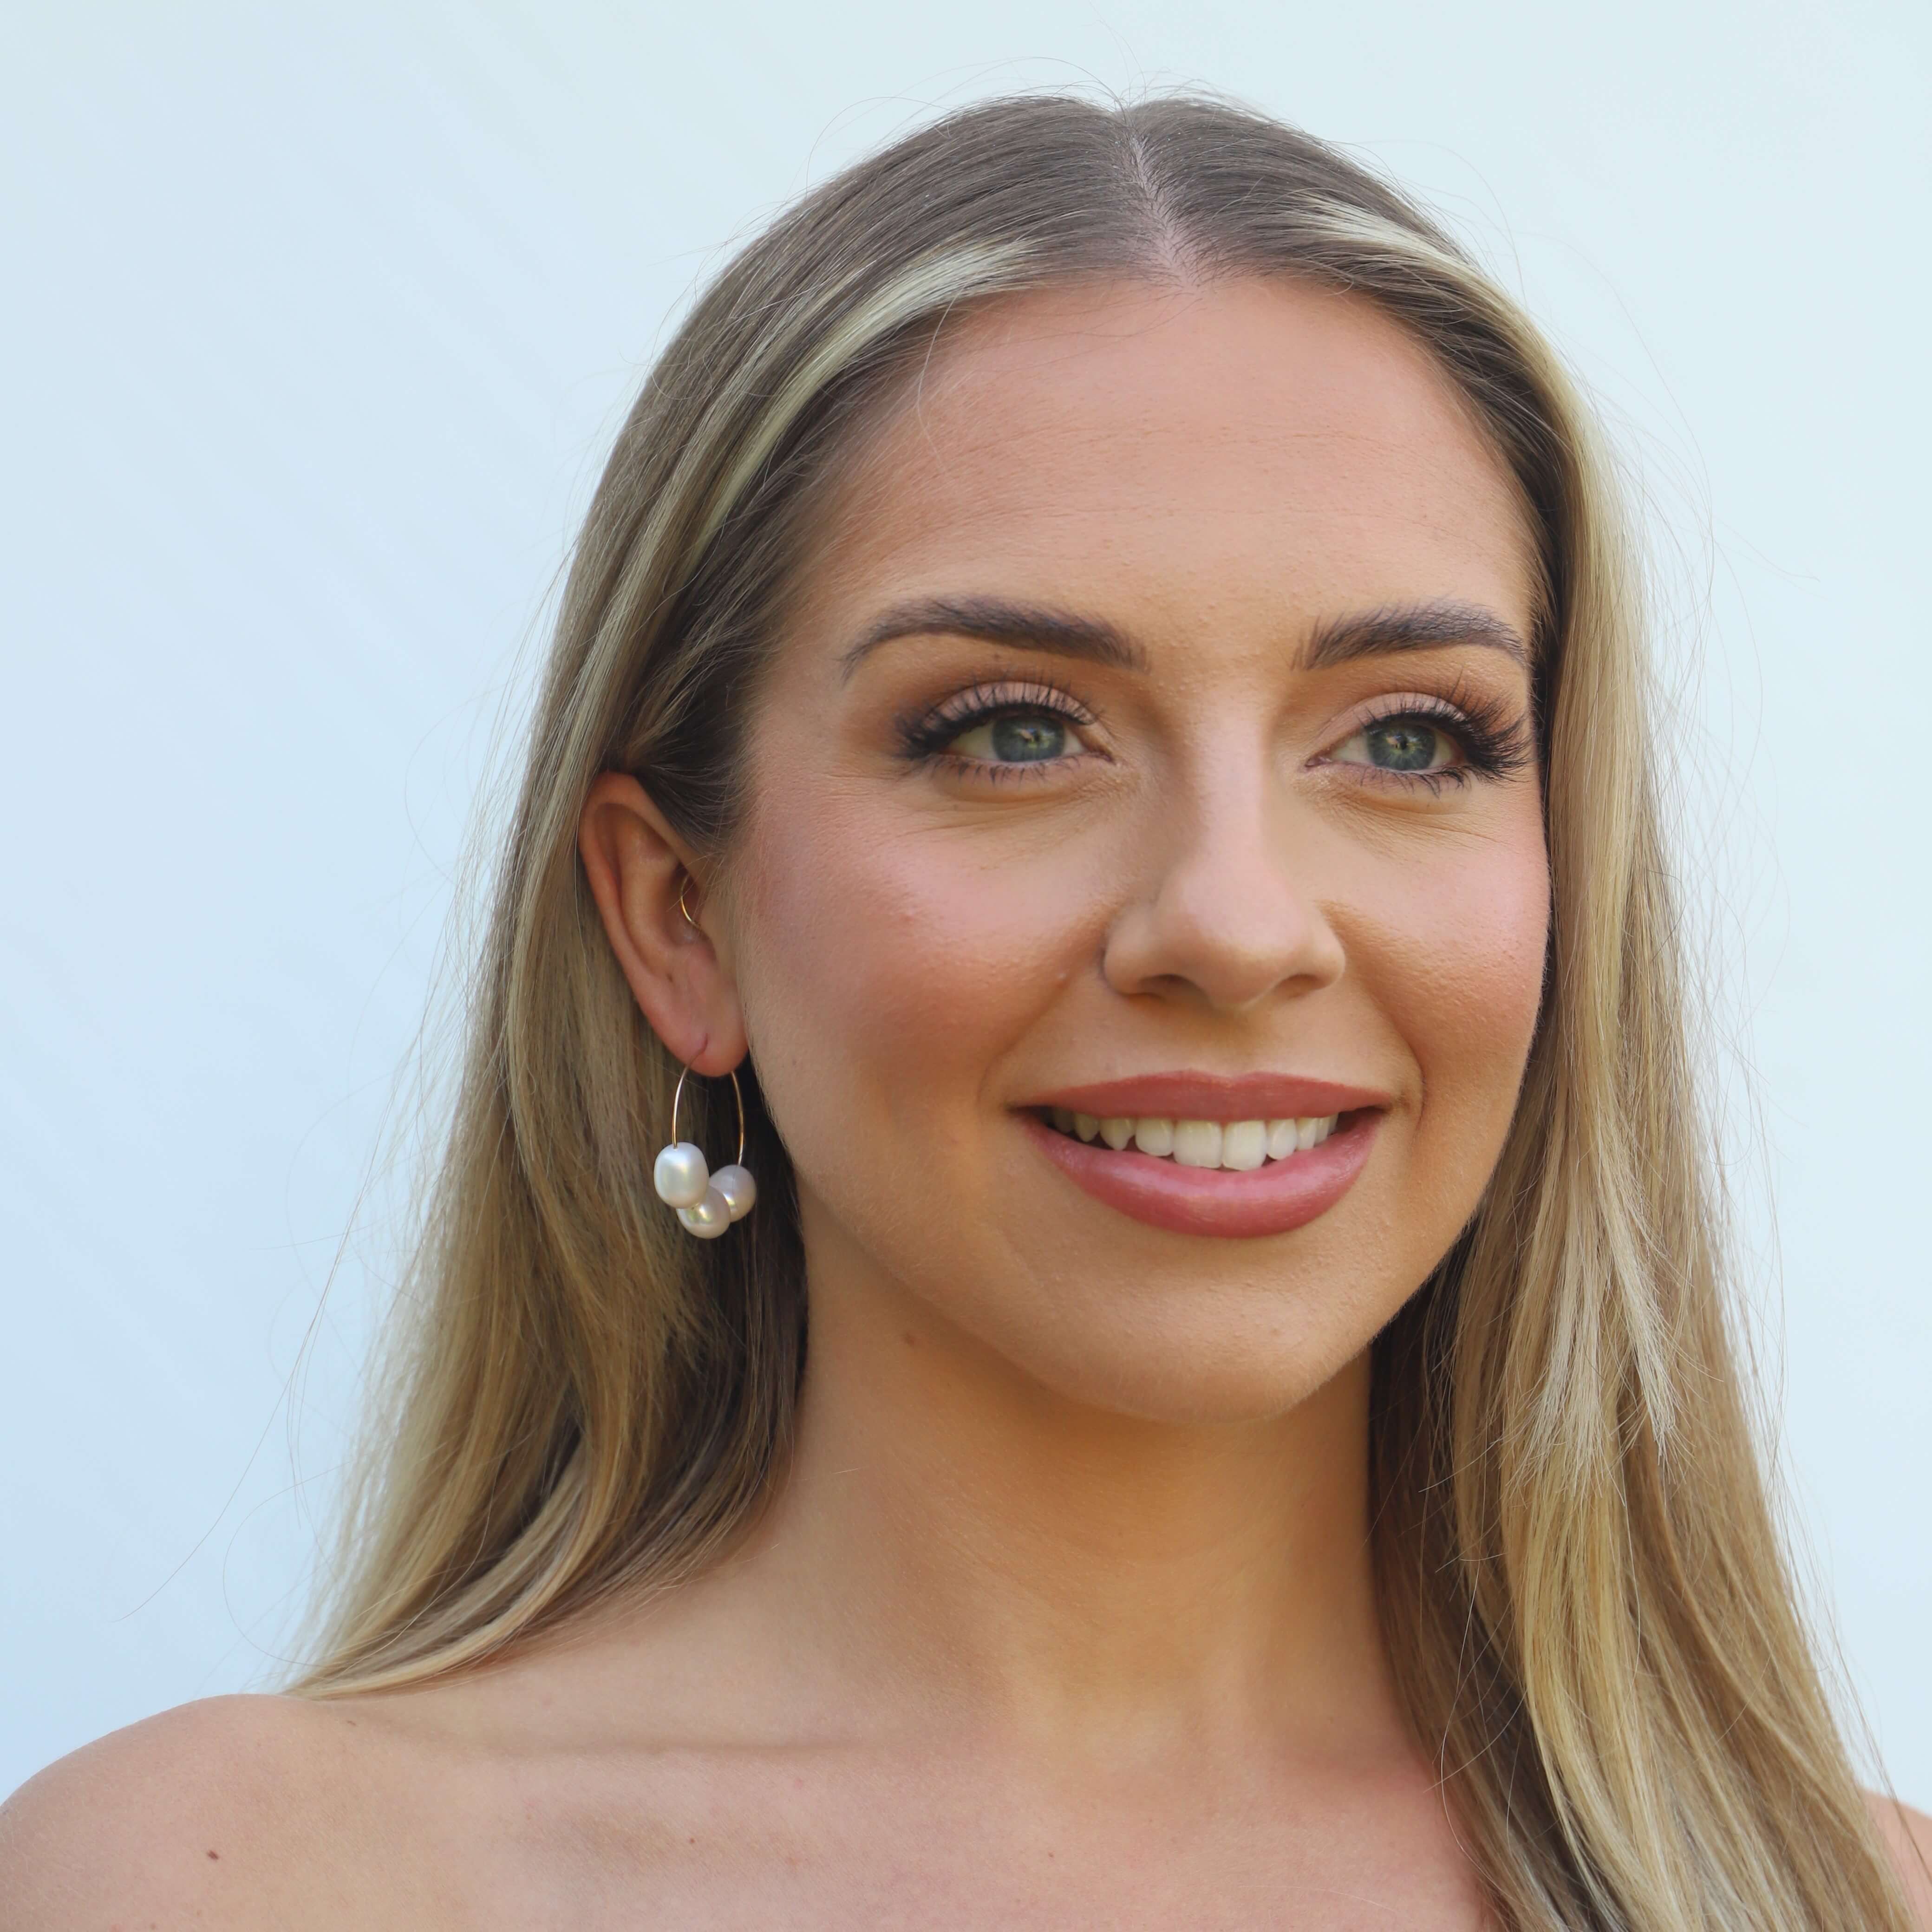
point(1093, 798)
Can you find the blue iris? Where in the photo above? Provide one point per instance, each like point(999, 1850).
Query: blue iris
point(1026, 738)
point(1401, 745)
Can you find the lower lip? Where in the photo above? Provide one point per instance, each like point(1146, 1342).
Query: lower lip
point(1272, 1199)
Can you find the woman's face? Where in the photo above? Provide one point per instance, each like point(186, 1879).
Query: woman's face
point(1149, 745)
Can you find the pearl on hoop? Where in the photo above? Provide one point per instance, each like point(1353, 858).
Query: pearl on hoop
point(680, 1175)
point(707, 1203)
point(740, 1190)
point(710, 1218)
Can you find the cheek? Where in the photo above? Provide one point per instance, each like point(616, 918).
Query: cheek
point(885, 967)
point(1458, 972)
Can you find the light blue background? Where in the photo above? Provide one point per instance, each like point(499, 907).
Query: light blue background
point(317, 323)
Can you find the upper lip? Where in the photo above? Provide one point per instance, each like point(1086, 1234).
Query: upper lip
point(1213, 1096)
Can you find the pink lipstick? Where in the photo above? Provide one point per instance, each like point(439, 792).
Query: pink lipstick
point(1239, 1157)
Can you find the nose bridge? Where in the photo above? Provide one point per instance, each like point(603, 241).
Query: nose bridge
point(1227, 904)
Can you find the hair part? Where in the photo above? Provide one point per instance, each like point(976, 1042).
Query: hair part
point(1583, 1592)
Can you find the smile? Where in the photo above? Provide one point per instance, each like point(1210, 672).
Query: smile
point(1220, 1178)
point(1239, 1146)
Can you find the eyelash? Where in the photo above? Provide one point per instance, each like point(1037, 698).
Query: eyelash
point(1496, 742)
point(924, 735)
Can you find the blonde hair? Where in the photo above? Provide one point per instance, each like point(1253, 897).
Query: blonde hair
point(1584, 1593)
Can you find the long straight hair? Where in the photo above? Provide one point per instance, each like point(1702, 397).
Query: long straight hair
point(1583, 1588)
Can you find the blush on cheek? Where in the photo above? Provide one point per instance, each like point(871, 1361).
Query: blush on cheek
point(1466, 998)
point(1450, 957)
point(888, 973)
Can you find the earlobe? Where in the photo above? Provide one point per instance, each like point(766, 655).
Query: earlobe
point(640, 875)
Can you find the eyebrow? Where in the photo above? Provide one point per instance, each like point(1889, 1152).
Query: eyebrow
point(1406, 627)
point(1031, 627)
point(1411, 627)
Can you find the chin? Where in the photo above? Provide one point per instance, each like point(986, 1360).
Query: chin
point(1191, 1356)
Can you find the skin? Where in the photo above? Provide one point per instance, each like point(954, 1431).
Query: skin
point(1065, 1614)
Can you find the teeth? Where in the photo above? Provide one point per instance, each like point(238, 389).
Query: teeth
point(1244, 1144)
point(1238, 1145)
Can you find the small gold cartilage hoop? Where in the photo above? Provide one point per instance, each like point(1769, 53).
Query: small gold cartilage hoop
point(685, 909)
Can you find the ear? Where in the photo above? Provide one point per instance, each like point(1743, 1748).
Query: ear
point(637, 867)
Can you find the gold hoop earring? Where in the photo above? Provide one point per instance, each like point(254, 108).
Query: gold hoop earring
point(707, 1203)
point(685, 909)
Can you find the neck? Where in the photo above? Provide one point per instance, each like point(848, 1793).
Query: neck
point(953, 1533)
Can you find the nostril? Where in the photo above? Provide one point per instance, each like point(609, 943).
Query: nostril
point(1230, 951)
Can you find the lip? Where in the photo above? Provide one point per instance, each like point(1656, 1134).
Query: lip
point(1214, 1096)
point(1272, 1199)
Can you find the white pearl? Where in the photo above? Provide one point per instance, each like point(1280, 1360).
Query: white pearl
point(740, 1190)
point(680, 1175)
point(710, 1218)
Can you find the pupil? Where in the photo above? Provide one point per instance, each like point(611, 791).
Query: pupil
point(1026, 740)
point(1402, 746)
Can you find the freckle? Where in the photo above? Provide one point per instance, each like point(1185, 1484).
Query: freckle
point(911, 1340)
point(214, 1854)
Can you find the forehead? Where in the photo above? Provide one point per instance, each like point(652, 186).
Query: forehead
point(1196, 447)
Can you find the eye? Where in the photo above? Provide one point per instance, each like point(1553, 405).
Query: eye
point(1409, 744)
point(999, 729)
point(1433, 741)
point(1014, 738)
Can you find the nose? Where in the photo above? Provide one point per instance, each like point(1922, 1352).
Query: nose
point(1225, 917)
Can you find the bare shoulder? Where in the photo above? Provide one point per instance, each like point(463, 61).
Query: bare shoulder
point(1908, 1836)
point(222, 1814)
